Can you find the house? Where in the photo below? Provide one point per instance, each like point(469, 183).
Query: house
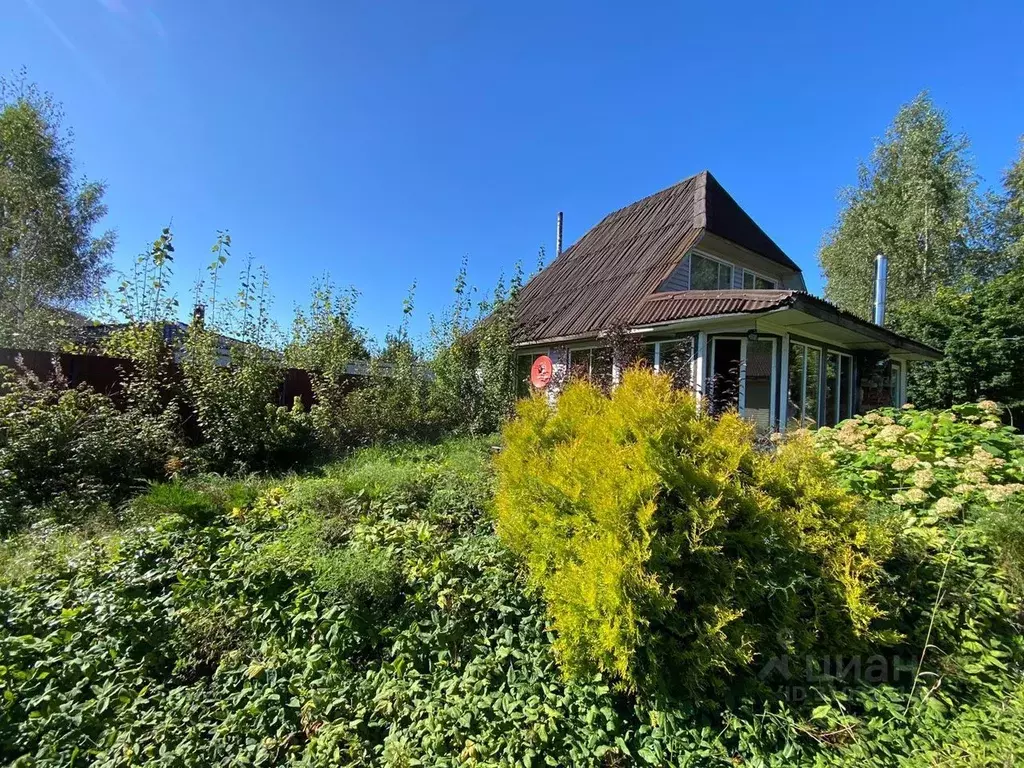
point(701, 292)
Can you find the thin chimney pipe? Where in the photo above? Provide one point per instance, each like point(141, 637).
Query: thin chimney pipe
point(881, 278)
point(558, 235)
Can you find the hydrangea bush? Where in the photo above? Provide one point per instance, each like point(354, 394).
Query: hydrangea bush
point(948, 484)
point(932, 463)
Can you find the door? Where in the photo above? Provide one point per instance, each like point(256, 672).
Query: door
point(726, 367)
point(759, 383)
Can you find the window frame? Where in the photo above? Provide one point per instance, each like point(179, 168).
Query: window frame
point(842, 386)
point(716, 260)
point(589, 349)
point(802, 418)
point(773, 381)
point(755, 275)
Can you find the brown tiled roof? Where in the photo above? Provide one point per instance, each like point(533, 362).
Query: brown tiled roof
point(684, 305)
point(681, 305)
point(599, 282)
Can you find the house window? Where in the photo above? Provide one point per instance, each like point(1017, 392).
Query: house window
point(593, 363)
point(648, 357)
point(880, 385)
point(676, 359)
point(754, 282)
point(804, 385)
point(524, 366)
point(640, 355)
point(708, 274)
point(838, 387)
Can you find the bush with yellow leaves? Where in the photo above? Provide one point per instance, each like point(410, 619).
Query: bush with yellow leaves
point(670, 552)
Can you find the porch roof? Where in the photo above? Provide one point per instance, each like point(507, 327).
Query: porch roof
point(798, 311)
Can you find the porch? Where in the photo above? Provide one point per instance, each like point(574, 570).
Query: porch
point(805, 365)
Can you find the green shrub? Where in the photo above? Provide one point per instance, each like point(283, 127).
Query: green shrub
point(240, 428)
point(667, 548)
point(949, 484)
point(176, 499)
point(1003, 526)
point(193, 642)
point(64, 452)
point(324, 341)
point(930, 462)
point(368, 581)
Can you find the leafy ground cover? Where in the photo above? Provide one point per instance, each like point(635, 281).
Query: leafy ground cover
point(368, 614)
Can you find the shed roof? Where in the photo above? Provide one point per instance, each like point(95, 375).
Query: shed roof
point(599, 281)
point(677, 306)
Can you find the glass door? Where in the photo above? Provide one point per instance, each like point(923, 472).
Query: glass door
point(759, 382)
point(742, 376)
point(726, 367)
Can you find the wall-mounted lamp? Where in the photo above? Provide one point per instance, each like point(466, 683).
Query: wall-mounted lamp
point(752, 334)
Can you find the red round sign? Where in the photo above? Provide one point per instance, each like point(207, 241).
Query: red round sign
point(540, 373)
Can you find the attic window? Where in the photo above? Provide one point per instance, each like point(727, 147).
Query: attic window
point(708, 274)
point(752, 281)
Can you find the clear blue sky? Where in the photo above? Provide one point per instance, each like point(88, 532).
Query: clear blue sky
point(383, 141)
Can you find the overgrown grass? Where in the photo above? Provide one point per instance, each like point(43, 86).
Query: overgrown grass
point(368, 615)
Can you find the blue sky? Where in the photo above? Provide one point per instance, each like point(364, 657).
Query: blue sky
point(381, 142)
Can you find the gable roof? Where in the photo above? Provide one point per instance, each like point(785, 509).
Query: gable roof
point(598, 282)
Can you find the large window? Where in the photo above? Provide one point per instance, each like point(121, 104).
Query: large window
point(594, 363)
point(676, 359)
point(880, 385)
point(753, 281)
point(838, 388)
point(804, 385)
point(709, 275)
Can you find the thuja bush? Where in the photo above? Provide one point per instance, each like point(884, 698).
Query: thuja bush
point(669, 551)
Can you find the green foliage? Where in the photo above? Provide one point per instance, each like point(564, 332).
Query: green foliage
point(49, 258)
point(474, 384)
point(463, 385)
point(670, 552)
point(930, 462)
point(912, 202)
point(370, 616)
point(222, 410)
point(981, 332)
point(393, 403)
point(1001, 220)
point(63, 452)
point(324, 342)
point(943, 480)
point(239, 425)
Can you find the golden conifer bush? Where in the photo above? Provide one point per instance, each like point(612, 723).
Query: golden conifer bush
point(667, 548)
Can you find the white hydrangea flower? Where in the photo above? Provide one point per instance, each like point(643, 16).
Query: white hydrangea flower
point(916, 496)
point(924, 478)
point(948, 506)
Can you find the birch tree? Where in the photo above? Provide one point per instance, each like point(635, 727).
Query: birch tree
point(50, 259)
point(913, 202)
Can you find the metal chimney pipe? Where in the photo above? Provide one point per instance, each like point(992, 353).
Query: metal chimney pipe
point(558, 235)
point(881, 276)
